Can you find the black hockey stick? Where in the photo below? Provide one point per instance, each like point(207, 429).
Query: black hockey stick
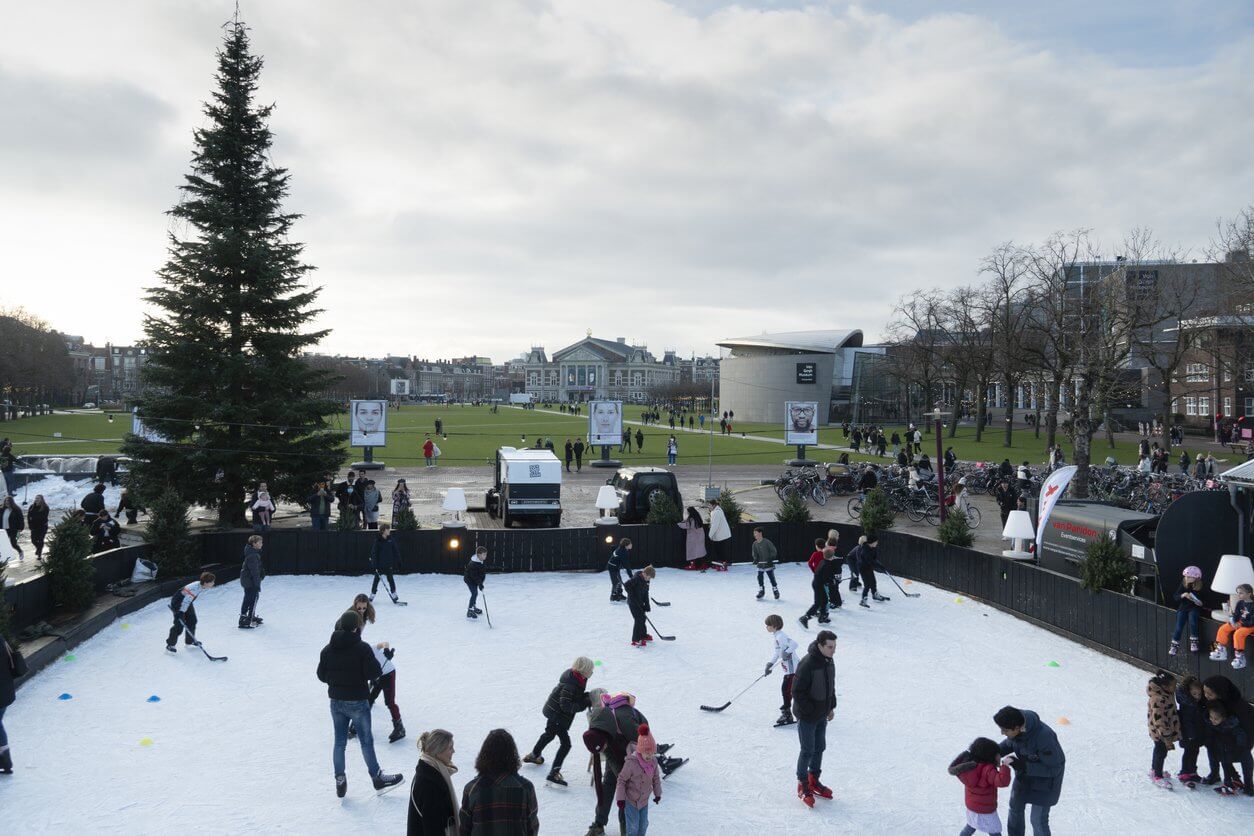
point(729, 702)
point(196, 642)
point(659, 632)
point(660, 603)
point(486, 614)
point(894, 580)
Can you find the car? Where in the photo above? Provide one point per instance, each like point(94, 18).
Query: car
point(636, 488)
point(89, 405)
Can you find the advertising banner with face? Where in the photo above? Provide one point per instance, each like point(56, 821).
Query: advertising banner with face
point(801, 422)
point(368, 423)
point(605, 422)
point(400, 386)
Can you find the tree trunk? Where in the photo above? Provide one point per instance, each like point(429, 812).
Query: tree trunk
point(1008, 383)
point(1167, 414)
point(981, 407)
point(1051, 414)
point(1082, 431)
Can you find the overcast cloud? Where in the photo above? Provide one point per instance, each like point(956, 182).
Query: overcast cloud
point(478, 177)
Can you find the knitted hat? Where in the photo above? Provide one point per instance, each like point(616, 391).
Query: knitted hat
point(350, 621)
point(645, 744)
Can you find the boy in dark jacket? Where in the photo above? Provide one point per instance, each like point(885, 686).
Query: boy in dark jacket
point(1233, 746)
point(1039, 766)
point(619, 562)
point(473, 575)
point(250, 575)
point(568, 698)
point(182, 604)
point(348, 665)
point(1194, 731)
point(638, 603)
point(764, 556)
point(814, 703)
point(385, 556)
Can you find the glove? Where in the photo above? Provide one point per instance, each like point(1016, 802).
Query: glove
point(389, 652)
point(481, 587)
point(657, 799)
point(768, 670)
point(622, 805)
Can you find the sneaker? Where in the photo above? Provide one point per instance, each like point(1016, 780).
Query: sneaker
point(341, 786)
point(775, 589)
point(1220, 653)
point(818, 789)
point(761, 594)
point(555, 777)
point(384, 782)
point(805, 794)
point(533, 758)
point(1174, 649)
point(1238, 661)
point(1193, 646)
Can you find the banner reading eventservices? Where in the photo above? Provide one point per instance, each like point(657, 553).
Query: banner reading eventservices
point(1053, 489)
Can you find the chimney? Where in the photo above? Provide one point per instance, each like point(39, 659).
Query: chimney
point(622, 340)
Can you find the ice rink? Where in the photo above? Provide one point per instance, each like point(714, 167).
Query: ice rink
point(245, 745)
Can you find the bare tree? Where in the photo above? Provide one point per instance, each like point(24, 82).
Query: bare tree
point(1005, 305)
point(917, 337)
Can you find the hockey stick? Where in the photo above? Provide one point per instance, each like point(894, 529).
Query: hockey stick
point(486, 614)
point(659, 632)
point(196, 642)
point(894, 580)
point(660, 603)
point(729, 702)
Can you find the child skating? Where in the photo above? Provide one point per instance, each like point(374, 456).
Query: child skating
point(640, 777)
point(764, 554)
point(183, 605)
point(1194, 733)
point(862, 563)
point(637, 588)
point(784, 651)
point(1188, 608)
point(981, 773)
point(1164, 724)
point(568, 698)
point(473, 576)
point(1239, 628)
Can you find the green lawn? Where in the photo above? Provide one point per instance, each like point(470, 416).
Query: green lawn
point(474, 434)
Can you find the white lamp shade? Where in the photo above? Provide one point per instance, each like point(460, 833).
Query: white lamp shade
point(455, 500)
point(1234, 570)
point(607, 499)
point(1019, 526)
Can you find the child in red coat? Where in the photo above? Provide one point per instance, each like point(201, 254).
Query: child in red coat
point(979, 771)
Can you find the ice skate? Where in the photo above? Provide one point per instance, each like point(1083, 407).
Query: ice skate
point(775, 589)
point(1174, 649)
point(817, 788)
point(533, 758)
point(1193, 646)
point(785, 719)
point(384, 782)
point(804, 621)
point(6, 762)
point(805, 794)
point(555, 778)
point(341, 786)
point(472, 614)
point(398, 731)
point(875, 596)
point(761, 594)
point(1161, 781)
point(863, 603)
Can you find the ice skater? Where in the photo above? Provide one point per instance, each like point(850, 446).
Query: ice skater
point(183, 605)
point(638, 602)
point(981, 773)
point(250, 574)
point(386, 685)
point(764, 557)
point(783, 652)
point(1039, 765)
point(474, 575)
point(814, 695)
point(568, 697)
point(385, 556)
point(823, 563)
point(1164, 724)
point(862, 563)
point(639, 778)
point(619, 562)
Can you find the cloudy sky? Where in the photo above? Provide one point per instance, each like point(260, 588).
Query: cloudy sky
point(482, 176)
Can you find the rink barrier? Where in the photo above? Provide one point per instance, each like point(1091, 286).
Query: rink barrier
point(1133, 629)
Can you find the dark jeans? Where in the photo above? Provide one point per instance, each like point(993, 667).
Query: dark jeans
point(770, 573)
point(552, 729)
point(1183, 615)
point(637, 627)
point(319, 521)
point(868, 582)
point(249, 608)
point(12, 532)
point(374, 587)
point(785, 690)
point(1246, 760)
point(183, 621)
point(1039, 819)
point(609, 784)
point(37, 536)
point(4, 736)
point(1160, 757)
point(813, 737)
point(819, 607)
point(1188, 764)
point(358, 711)
point(616, 581)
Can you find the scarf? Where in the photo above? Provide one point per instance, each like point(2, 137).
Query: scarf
point(647, 764)
point(446, 772)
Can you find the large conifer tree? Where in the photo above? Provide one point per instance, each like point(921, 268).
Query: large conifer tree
point(226, 385)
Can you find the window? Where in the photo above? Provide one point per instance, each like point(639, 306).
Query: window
point(1175, 405)
point(1249, 374)
point(1190, 406)
point(618, 377)
point(1203, 406)
point(1249, 407)
point(1228, 406)
point(1197, 373)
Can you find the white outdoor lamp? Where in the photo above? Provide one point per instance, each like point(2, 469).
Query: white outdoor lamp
point(455, 501)
point(1234, 570)
point(607, 501)
point(1019, 528)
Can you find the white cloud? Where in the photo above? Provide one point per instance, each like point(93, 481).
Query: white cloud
point(481, 176)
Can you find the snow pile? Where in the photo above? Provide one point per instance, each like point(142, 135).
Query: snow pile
point(244, 745)
point(62, 495)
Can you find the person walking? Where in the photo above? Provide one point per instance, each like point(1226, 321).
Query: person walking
point(720, 535)
point(568, 698)
point(639, 440)
point(385, 557)
point(128, 505)
point(498, 801)
point(672, 450)
point(13, 522)
point(694, 539)
point(814, 703)
point(8, 467)
point(428, 451)
point(347, 665)
point(1006, 497)
point(1039, 764)
point(250, 574)
point(764, 556)
point(12, 666)
point(37, 523)
point(319, 503)
point(433, 806)
point(570, 454)
point(578, 449)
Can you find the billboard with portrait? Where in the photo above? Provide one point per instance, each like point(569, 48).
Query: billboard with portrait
point(139, 428)
point(605, 422)
point(801, 422)
point(400, 386)
point(368, 423)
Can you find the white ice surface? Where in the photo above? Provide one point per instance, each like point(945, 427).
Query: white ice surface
point(244, 746)
point(65, 496)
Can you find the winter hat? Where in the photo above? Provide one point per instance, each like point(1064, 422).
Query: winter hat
point(645, 744)
point(350, 621)
point(1192, 572)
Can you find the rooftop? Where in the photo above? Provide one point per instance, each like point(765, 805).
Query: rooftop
point(813, 342)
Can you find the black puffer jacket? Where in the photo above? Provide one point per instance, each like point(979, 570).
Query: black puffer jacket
point(475, 573)
point(567, 698)
point(385, 554)
point(814, 687)
point(251, 573)
point(637, 592)
point(37, 517)
point(93, 503)
point(348, 666)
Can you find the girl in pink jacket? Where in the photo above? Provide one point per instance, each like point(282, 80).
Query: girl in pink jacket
point(639, 777)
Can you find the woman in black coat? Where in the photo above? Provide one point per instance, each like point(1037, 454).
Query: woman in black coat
point(37, 522)
point(9, 668)
point(12, 520)
point(432, 799)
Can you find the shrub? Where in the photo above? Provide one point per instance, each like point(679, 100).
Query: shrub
point(348, 520)
point(68, 566)
point(169, 534)
point(1105, 567)
point(662, 511)
point(731, 508)
point(955, 530)
point(405, 520)
point(794, 510)
point(876, 515)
